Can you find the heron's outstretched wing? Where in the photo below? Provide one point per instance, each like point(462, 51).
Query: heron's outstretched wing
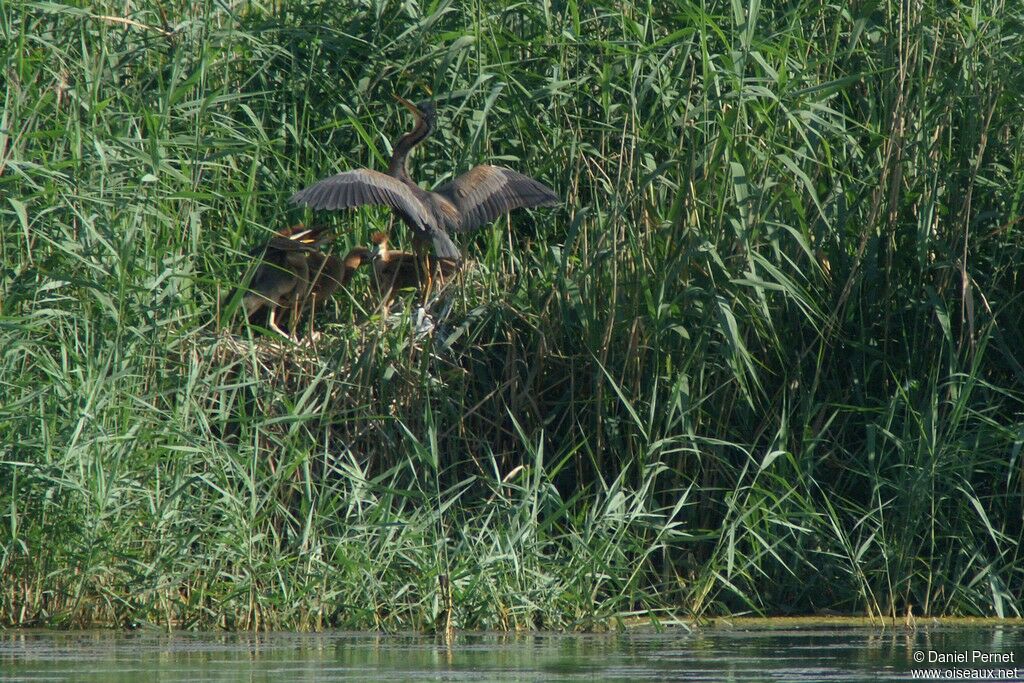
point(363, 186)
point(486, 192)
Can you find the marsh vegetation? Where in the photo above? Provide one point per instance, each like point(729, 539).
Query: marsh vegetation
point(765, 357)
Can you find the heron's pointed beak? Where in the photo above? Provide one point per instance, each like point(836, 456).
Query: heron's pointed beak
point(410, 106)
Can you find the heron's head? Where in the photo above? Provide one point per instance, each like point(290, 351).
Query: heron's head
point(314, 237)
point(424, 111)
point(294, 232)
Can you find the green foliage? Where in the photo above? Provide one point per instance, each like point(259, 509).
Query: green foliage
point(765, 358)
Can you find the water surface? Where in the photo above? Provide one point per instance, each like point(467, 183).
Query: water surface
point(789, 653)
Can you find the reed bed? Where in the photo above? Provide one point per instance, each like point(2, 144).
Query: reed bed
point(765, 359)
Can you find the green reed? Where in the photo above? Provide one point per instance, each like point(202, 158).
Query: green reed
point(764, 359)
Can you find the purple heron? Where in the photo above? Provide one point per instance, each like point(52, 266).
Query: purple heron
point(398, 270)
point(294, 274)
point(466, 203)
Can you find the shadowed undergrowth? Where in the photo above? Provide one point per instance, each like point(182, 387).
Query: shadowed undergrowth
point(765, 358)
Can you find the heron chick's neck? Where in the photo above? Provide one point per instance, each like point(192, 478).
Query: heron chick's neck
point(398, 167)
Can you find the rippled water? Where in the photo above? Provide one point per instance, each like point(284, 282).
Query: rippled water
point(713, 654)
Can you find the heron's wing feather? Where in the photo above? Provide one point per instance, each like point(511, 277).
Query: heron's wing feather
point(486, 192)
point(359, 187)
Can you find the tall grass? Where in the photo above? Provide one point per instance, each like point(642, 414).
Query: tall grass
point(766, 358)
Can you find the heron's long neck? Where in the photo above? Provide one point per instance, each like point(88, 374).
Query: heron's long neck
point(348, 270)
point(399, 158)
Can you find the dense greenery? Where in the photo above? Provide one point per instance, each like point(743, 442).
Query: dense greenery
point(766, 358)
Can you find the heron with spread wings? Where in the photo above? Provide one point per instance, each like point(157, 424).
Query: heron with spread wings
point(466, 203)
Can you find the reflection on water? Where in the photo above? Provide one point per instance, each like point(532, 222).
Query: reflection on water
point(716, 654)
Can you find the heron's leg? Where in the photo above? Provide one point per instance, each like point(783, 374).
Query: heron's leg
point(313, 334)
point(428, 281)
point(312, 317)
point(438, 274)
point(273, 322)
point(421, 250)
point(295, 318)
